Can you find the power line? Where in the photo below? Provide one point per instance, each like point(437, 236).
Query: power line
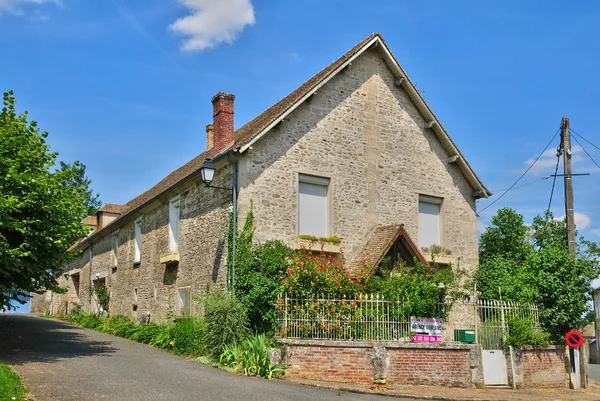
point(581, 136)
point(558, 153)
point(586, 152)
point(524, 185)
point(522, 175)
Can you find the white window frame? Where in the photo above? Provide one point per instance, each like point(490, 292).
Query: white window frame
point(174, 214)
point(439, 202)
point(137, 240)
point(323, 182)
point(115, 244)
point(180, 306)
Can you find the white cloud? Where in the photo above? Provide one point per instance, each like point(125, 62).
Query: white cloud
point(581, 221)
point(596, 231)
point(212, 22)
point(547, 161)
point(16, 7)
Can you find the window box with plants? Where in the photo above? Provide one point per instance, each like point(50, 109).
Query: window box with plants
point(439, 254)
point(319, 244)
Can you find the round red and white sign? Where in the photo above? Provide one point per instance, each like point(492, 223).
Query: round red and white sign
point(574, 339)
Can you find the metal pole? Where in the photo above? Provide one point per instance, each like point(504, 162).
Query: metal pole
point(577, 384)
point(569, 212)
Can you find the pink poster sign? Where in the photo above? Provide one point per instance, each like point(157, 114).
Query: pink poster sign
point(426, 330)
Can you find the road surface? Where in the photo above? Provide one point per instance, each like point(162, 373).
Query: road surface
point(59, 361)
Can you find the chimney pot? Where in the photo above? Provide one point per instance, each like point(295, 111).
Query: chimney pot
point(223, 133)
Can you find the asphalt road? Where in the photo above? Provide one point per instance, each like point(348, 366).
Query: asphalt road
point(59, 361)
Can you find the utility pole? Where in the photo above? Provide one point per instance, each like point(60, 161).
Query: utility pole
point(565, 142)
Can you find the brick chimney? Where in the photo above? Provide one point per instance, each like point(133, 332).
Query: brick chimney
point(222, 121)
point(210, 136)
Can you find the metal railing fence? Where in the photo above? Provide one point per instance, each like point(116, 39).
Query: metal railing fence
point(373, 317)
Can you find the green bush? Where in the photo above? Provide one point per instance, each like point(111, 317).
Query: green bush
point(189, 334)
point(258, 282)
point(226, 321)
point(250, 357)
point(146, 333)
point(118, 326)
point(521, 332)
point(163, 338)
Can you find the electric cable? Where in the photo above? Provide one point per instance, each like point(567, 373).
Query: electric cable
point(522, 175)
point(586, 152)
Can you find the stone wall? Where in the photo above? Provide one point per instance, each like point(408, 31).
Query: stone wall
point(203, 225)
point(366, 362)
point(363, 133)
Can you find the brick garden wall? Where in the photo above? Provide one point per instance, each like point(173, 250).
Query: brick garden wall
point(545, 367)
point(539, 366)
point(352, 362)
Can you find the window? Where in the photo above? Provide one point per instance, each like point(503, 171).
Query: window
point(182, 303)
point(155, 292)
point(429, 221)
point(135, 296)
point(313, 208)
point(597, 339)
point(174, 225)
point(597, 305)
point(115, 239)
point(137, 243)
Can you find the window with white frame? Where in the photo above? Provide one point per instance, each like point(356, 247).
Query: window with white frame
point(174, 224)
point(429, 221)
point(137, 243)
point(115, 241)
point(597, 305)
point(182, 301)
point(313, 205)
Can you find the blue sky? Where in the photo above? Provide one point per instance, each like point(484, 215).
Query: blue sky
point(125, 86)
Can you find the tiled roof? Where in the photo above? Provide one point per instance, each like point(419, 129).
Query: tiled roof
point(113, 208)
point(90, 221)
point(245, 133)
point(379, 242)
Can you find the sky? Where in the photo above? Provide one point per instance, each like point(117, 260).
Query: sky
point(125, 86)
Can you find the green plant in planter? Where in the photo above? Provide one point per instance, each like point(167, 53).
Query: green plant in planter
point(333, 239)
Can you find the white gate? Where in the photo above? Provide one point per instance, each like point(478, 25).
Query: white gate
point(495, 372)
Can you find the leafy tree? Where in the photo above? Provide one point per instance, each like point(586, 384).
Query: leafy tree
point(41, 207)
point(79, 179)
point(533, 264)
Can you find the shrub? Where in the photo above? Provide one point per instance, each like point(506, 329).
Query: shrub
point(189, 334)
point(258, 283)
point(311, 273)
point(226, 321)
point(250, 357)
point(163, 338)
point(118, 326)
point(521, 332)
point(145, 333)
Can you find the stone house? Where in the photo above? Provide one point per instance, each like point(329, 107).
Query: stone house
point(350, 153)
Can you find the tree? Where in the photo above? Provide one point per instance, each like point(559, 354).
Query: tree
point(79, 179)
point(41, 207)
point(533, 264)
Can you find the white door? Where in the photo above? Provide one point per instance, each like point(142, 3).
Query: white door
point(494, 368)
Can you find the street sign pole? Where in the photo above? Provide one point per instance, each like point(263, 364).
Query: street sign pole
point(577, 384)
point(574, 340)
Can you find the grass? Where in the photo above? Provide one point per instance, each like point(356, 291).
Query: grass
point(10, 385)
